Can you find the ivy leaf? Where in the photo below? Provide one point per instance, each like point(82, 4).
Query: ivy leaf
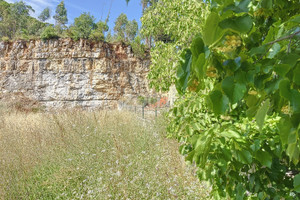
point(211, 30)
point(297, 183)
point(234, 91)
point(264, 158)
point(242, 24)
point(220, 102)
point(261, 114)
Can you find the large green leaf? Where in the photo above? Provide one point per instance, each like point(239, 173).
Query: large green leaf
point(220, 102)
point(261, 114)
point(290, 94)
point(267, 4)
point(234, 91)
point(242, 24)
point(297, 183)
point(240, 192)
point(296, 75)
point(282, 69)
point(244, 156)
point(285, 127)
point(293, 152)
point(211, 31)
point(183, 71)
point(199, 66)
point(197, 47)
point(264, 158)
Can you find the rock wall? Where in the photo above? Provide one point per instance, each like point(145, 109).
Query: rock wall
point(67, 73)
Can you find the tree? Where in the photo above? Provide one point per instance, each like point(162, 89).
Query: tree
point(60, 16)
point(99, 32)
point(131, 30)
point(45, 15)
point(120, 26)
point(238, 112)
point(83, 26)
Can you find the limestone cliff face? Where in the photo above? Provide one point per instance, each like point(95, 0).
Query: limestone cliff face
point(67, 73)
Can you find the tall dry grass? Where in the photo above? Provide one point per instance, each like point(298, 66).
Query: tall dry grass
point(90, 155)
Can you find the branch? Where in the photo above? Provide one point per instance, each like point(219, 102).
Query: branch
point(284, 38)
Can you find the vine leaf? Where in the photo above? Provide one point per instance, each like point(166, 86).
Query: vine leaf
point(261, 114)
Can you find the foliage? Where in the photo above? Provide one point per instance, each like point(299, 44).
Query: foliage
point(49, 33)
point(98, 34)
point(45, 15)
point(138, 47)
point(172, 24)
point(16, 23)
point(83, 26)
point(60, 16)
point(5, 39)
point(125, 30)
point(238, 117)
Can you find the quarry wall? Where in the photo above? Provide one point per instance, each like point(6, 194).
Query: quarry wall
point(67, 73)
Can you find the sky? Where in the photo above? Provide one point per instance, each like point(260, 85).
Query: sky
point(98, 8)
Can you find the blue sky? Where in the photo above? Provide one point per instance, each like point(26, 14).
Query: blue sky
point(98, 8)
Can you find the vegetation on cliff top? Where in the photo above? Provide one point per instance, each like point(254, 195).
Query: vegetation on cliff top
point(16, 23)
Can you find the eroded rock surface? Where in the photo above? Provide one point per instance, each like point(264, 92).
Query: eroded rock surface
point(65, 73)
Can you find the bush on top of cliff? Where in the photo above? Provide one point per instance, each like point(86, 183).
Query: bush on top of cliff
point(49, 33)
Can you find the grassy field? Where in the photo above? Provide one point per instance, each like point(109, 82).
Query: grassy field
point(91, 155)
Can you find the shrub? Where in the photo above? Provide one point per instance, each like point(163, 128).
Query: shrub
point(5, 39)
point(49, 33)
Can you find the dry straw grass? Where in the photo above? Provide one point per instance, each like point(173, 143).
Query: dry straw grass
point(90, 155)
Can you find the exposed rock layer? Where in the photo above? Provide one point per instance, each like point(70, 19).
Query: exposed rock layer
point(67, 73)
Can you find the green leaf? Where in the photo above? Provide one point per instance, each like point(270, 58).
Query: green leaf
point(258, 50)
point(296, 75)
point(234, 91)
point(284, 127)
point(230, 134)
point(197, 47)
point(274, 50)
point(264, 158)
point(242, 24)
point(282, 69)
point(183, 71)
point(267, 4)
point(211, 31)
point(284, 88)
point(297, 183)
point(255, 146)
point(251, 100)
point(293, 152)
point(261, 114)
point(244, 157)
point(240, 192)
point(199, 66)
point(290, 59)
point(220, 102)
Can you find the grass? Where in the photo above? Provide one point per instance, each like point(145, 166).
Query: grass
point(91, 155)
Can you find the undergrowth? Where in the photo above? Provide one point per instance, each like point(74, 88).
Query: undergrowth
point(91, 155)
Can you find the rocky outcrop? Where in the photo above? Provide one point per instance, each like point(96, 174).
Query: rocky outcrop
point(70, 73)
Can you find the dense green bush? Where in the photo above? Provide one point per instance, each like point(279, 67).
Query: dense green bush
point(49, 33)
